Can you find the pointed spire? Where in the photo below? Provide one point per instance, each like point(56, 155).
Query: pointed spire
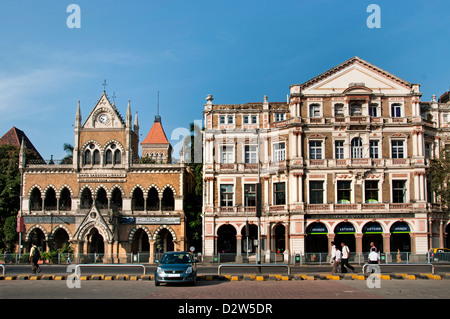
point(128, 116)
point(78, 116)
point(136, 125)
point(157, 117)
point(22, 154)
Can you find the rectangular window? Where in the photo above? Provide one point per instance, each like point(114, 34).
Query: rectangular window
point(279, 117)
point(230, 119)
point(254, 119)
point(226, 154)
point(344, 192)
point(279, 152)
point(373, 110)
point(398, 191)
point(226, 195)
point(314, 110)
point(356, 109)
point(315, 150)
point(222, 119)
point(316, 192)
point(427, 150)
point(397, 149)
point(250, 195)
point(279, 193)
point(396, 110)
point(245, 119)
point(338, 110)
point(250, 154)
point(374, 149)
point(339, 149)
point(371, 191)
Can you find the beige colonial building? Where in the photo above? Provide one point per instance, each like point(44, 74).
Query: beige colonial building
point(343, 159)
point(107, 200)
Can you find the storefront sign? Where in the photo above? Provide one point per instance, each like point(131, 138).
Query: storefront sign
point(344, 228)
point(372, 228)
point(317, 229)
point(400, 228)
point(49, 219)
point(151, 220)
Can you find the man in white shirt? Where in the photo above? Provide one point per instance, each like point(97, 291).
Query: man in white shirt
point(333, 256)
point(345, 257)
point(338, 260)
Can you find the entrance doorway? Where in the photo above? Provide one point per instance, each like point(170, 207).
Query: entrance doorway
point(226, 241)
point(95, 242)
point(316, 240)
point(400, 237)
point(372, 232)
point(345, 233)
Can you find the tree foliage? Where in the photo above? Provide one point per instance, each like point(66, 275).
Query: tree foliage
point(10, 192)
point(439, 172)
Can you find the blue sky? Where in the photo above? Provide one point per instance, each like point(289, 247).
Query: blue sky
point(236, 50)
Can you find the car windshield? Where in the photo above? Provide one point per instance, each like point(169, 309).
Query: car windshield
point(180, 258)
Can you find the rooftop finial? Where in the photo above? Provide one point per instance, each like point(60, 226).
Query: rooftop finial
point(104, 86)
point(157, 117)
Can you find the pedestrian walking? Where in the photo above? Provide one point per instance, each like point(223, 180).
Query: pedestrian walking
point(35, 255)
point(338, 260)
point(333, 257)
point(372, 247)
point(345, 257)
point(69, 261)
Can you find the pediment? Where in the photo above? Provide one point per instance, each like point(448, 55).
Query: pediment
point(104, 115)
point(94, 219)
point(355, 76)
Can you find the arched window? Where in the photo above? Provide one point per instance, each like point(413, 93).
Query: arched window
point(168, 201)
point(101, 200)
point(50, 199)
point(87, 157)
point(109, 157)
point(357, 148)
point(116, 199)
point(35, 200)
point(117, 157)
point(86, 199)
point(65, 200)
point(153, 200)
point(96, 156)
point(137, 200)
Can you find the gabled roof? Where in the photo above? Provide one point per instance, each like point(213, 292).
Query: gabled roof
point(354, 60)
point(156, 134)
point(104, 105)
point(14, 137)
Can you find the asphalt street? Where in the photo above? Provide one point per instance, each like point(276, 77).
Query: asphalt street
point(216, 289)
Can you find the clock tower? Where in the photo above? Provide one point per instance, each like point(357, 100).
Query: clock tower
point(105, 125)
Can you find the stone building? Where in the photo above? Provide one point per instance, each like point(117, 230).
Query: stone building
point(107, 201)
point(343, 159)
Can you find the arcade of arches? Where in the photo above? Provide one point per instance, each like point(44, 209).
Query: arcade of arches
point(232, 239)
point(140, 240)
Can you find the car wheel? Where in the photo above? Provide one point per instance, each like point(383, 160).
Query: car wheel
point(157, 283)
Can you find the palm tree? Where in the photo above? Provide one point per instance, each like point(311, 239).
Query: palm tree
point(68, 159)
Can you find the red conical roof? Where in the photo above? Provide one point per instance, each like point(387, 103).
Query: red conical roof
point(156, 135)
